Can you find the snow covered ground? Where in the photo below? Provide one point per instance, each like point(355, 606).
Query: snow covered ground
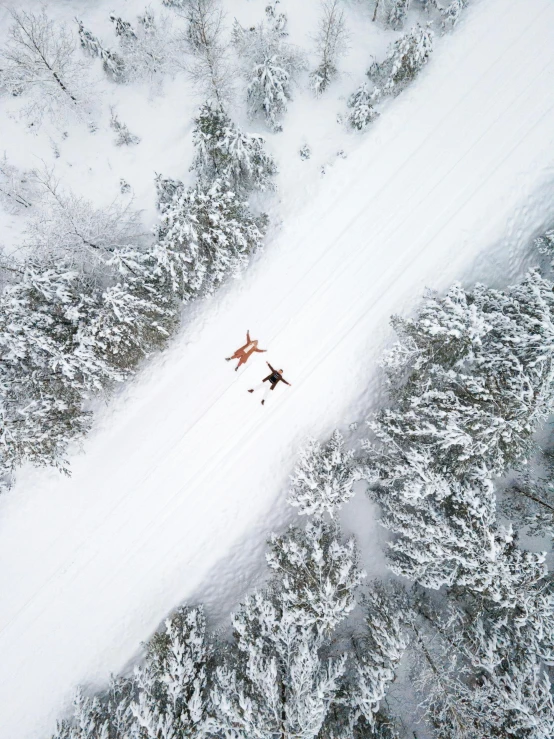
point(184, 475)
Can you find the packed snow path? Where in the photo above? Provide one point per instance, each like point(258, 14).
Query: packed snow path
point(187, 464)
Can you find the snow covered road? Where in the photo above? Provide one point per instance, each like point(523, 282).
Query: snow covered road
point(187, 464)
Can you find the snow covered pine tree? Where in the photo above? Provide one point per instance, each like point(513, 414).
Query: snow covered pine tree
point(224, 151)
point(398, 12)
point(172, 688)
point(317, 574)
point(206, 234)
point(324, 477)
point(270, 68)
point(404, 60)
point(361, 102)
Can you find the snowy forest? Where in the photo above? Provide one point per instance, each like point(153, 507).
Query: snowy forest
point(118, 230)
point(462, 631)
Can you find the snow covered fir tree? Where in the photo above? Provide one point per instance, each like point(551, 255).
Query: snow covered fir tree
point(206, 233)
point(324, 477)
point(404, 60)
point(224, 151)
point(270, 66)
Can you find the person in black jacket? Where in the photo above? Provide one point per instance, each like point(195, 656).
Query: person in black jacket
point(273, 379)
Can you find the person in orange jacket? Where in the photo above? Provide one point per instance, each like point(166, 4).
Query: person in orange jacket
point(245, 352)
point(274, 379)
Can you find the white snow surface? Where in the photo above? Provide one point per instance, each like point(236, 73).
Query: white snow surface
point(185, 473)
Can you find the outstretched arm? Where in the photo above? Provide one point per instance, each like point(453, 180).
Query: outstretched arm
point(248, 337)
point(283, 380)
point(260, 351)
point(270, 367)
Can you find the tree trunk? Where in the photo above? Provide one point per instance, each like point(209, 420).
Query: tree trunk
point(532, 497)
point(17, 198)
point(376, 9)
point(283, 710)
point(64, 88)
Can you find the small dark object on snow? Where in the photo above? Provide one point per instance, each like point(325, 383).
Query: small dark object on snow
point(274, 379)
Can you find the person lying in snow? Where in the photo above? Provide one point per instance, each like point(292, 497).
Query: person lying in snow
point(245, 352)
point(274, 379)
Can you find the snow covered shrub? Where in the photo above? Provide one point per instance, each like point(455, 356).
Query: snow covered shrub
point(38, 61)
point(404, 60)
point(275, 19)
point(545, 244)
point(317, 574)
point(112, 62)
point(166, 190)
point(113, 65)
point(452, 12)
point(223, 150)
point(148, 49)
point(17, 189)
point(331, 43)
point(270, 67)
point(124, 136)
point(362, 112)
point(269, 90)
point(89, 43)
point(398, 12)
point(324, 477)
point(206, 234)
point(123, 29)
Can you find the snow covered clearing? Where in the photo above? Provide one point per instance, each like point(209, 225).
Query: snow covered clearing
point(184, 475)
